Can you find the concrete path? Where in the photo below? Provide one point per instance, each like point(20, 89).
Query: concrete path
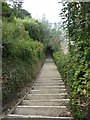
point(47, 99)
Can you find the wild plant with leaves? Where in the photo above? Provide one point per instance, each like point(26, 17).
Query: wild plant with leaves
point(76, 69)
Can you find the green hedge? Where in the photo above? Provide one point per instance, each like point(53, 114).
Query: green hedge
point(61, 62)
point(22, 58)
point(76, 76)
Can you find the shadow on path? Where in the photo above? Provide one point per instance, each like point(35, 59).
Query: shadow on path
point(49, 52)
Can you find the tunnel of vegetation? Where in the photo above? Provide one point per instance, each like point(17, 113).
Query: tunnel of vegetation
point(26, 40)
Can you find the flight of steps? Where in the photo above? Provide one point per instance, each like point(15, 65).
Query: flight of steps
point(47, 99)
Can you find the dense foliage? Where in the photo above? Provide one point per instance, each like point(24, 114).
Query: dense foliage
point(13, 11)
point(23, 51)
point(22, 48)
point(7, 12)
point(21, 56)
point(75, 67)
point(34, 29)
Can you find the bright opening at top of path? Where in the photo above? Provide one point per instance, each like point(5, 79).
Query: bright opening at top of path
point(37, 8)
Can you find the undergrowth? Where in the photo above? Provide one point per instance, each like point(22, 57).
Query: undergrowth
point(20, 59)
point(76, 76)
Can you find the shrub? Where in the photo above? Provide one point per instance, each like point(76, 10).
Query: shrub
point(34, 29)
point(21, 55)
point(76, 76)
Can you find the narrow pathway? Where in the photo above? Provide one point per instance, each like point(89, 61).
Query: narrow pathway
point(47, 99)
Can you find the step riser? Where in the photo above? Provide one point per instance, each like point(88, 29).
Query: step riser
point(44, 97)
point(50, 82)
point(51, 91)
point(50, 86)
point(35, 118)
point(43, 111)
point(56, 74)
point(47, 78)
point(50, 75)
point(50, 103)
point(47, 88)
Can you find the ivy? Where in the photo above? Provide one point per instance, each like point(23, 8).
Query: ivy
point(75, 66)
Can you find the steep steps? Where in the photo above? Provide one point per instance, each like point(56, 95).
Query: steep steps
point(54, 102)
point(47, 100)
